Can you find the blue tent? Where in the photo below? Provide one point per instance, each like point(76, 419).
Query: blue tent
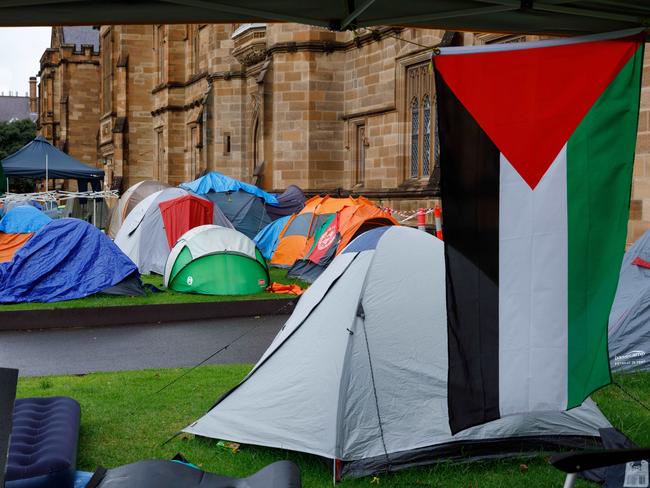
point(30, 162)
point(67, 259)
point(267, 239)
point(244, 205)
point(220, 183)
point(24, 219)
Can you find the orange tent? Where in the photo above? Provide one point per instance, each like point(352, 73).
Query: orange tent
point(10, 243)
point(335, 234)
point(354, 221)
point(294, 240)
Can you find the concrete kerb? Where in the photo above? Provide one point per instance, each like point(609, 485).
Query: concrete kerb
point(141, 314)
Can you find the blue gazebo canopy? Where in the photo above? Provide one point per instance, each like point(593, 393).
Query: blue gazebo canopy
point(29, 162)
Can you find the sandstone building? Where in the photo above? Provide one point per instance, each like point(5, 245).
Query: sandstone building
point(68, 112)
point(275, 104)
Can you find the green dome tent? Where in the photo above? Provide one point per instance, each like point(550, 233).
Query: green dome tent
point(214, 260)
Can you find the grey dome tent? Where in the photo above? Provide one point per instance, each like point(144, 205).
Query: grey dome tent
point(358, 374)
point(143, 236)
point(40, 159)
point(128, 201)
point(629, 319)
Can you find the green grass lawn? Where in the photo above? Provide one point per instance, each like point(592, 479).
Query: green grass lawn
point(167, 296)
point(125, 420)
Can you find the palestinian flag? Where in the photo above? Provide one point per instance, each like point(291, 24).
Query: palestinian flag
point(537, 147)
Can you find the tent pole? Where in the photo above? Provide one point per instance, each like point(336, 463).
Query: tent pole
point(94, 210)
point(46, 173)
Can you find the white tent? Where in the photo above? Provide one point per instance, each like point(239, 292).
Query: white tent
point(142, 235)
point(359, 371)
point(128, 201)
point(629, 319)
point(215, 260)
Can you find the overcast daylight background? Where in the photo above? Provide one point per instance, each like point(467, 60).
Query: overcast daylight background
point(21, 49)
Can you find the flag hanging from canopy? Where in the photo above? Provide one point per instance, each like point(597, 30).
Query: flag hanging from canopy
point(537, 147)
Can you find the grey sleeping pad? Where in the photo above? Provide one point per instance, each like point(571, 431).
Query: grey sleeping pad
point(155, 473)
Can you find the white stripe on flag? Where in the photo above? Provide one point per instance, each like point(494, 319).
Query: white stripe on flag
point(518, 46)
point(533, 290)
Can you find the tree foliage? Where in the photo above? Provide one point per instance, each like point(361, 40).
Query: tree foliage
point(14, 135)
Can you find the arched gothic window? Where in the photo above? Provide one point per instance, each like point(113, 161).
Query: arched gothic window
point(423, 152)
point(415, 123)
point(426, 138)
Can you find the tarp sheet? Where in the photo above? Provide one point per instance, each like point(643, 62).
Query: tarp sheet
point(220, 183)
point(65, 260)
point(290, 202)
point(29, 162)
point(10, 243)
point(23, 220)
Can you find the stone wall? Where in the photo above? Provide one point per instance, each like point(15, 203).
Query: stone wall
point(640, 205)
point(68, 113)
point(126, 143)
point(277, 104)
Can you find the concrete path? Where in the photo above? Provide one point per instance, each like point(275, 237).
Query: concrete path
point(78, 351)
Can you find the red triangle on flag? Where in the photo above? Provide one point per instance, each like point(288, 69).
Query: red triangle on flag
point(530, 101)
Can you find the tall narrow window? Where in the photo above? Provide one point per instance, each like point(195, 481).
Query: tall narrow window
point(160, 53)
point(256, 144)
point(426, 138)
point(196, 49)
point(193, 152)
point(436, 140)
point(423, 152)
point(415, 137)
point(226, 143)
point(160, 156)
point(107, 71)
point(361, 154)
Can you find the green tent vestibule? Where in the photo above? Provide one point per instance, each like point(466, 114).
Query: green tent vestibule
point(214, 260)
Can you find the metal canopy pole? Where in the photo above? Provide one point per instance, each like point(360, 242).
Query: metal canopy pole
point(46, 173)
point(353, 15)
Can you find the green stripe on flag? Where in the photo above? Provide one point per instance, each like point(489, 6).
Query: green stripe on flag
point(600, 157)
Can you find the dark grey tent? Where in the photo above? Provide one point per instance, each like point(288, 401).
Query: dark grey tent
point(40, 159)
point(629, 319)
point(246, 211)
point(290, 202)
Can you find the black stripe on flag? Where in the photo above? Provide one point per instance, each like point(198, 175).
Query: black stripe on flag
point(469, 171)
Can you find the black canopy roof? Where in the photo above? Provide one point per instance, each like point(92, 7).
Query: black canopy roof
point(556, 17)
point(29, 161)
